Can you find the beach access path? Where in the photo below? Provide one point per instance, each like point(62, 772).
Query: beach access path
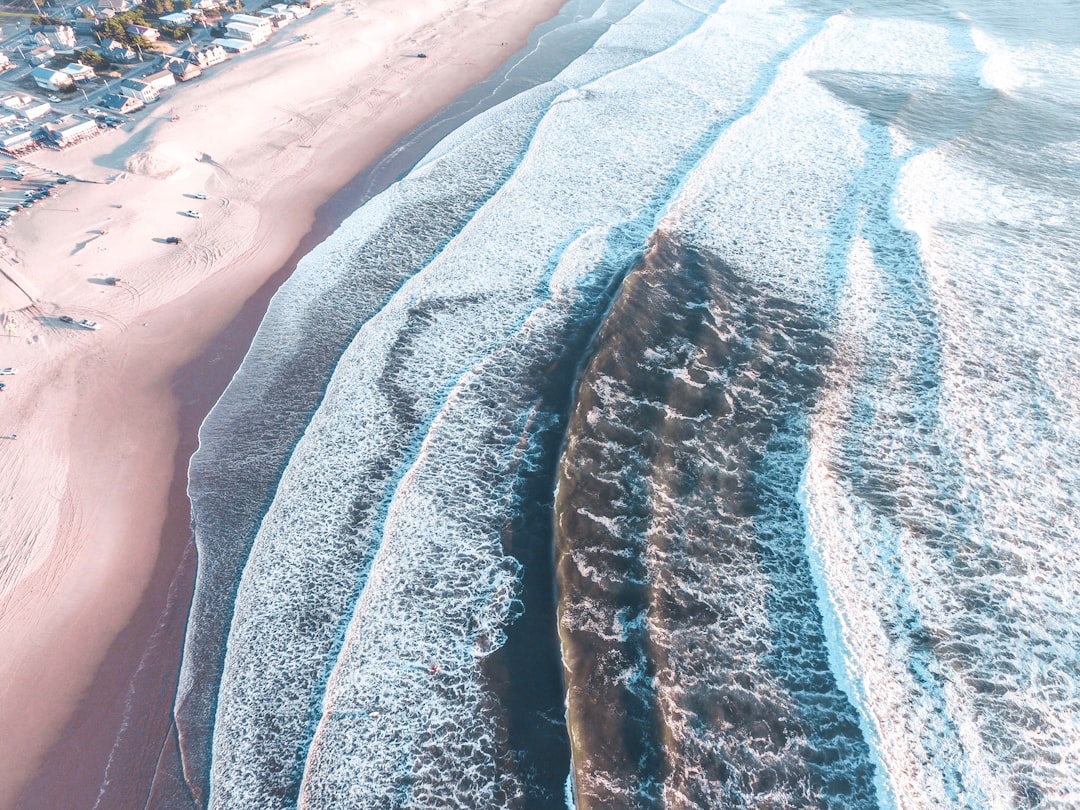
point(267, 137)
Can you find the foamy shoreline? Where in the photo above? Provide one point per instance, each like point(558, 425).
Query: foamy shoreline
point(268, 137)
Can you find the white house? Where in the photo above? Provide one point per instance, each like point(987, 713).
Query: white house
point(78, 72)
point(205, 57)
point(41, 54)
point(16, 101)
point(234, 45)
point(137, 88)
point(17, 143)
point(49, 79)
point(119, 103)
point(70, 131)
point(248, 19)
point(176, 19)
point(116, 51)
point(256, 36)
point(147, 33)
point(60, 38)
point(5, 63)
point(34, 111)
point(162, 80)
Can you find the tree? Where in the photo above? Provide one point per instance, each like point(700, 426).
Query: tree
point(113, 28)
point(91, 58)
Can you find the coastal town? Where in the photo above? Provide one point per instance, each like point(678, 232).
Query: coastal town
point(69, 72)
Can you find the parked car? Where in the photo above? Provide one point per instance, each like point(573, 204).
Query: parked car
point(9, 370)
point(193, 214)
point(85, 324)
point(173, 240)
point(199, 196)
point(67, 319)
point(54, 99)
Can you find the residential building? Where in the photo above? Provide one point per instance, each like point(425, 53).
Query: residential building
point(33, 111)
point(69, 131)
point(116, 51)
point(299, 10)
point(60, 38)
point(118, 103)
point(49, 79)
point(147, 33)
point(177, 19)
point(78, 72)
point(258, 22)
point(253, 34)
point(117, 6)
point(5, 63)
point(206, 56)
point(183, 70)
point(41, 54)
point(137, 88)
point(16, 101)
point(162, 80)
point(19, 143)
point(234, 45)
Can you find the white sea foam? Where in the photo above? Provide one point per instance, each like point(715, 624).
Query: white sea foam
point(331, 513)
point(940, 486)
point(943, 457)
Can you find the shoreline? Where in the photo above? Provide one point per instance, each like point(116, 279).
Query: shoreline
point(103, 522)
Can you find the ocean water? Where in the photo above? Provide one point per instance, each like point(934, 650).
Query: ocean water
point(699, 427)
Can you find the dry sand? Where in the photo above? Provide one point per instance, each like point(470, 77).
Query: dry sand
point(268, 137)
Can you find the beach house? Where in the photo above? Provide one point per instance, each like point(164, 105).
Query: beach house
point(176, 19)
point(137, 88)
point(258, 22)
point(183, 70)
point(61, 38)
point(116, 51)
point(78, 72)
point(49, 79)
point(114, 102)
point(162, 80)
point(255, 34)
point(69, 131)
point(35, 110)
point(19, 143)
point(234, 45)
point(16, 101)
point(41, 54)
point(206, 56)
point(144, 31)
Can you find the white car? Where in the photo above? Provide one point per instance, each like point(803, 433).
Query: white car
point(199, 196)
point(193, 214)
point(54, 99)
point(85, 324)
point(9, 370)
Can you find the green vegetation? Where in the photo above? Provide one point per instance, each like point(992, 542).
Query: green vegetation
point(175, 32)
point(91, 58)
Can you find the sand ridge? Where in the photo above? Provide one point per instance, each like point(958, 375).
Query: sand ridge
point(267, 137)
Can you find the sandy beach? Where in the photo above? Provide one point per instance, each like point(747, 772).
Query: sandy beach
point(89, 481)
